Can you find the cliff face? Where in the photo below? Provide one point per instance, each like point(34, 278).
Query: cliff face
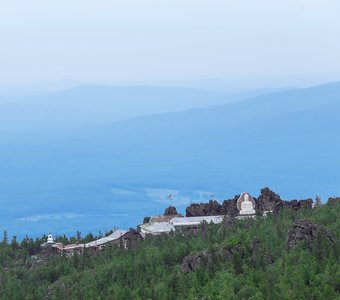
point(293, 204)
point(170, 211)
point(334, 200)
point(303, 230)
point(267, 201)
point(213, 208)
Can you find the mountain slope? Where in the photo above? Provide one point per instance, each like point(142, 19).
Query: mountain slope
point(84, 106)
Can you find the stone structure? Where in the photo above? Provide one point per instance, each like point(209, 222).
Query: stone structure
point(50, 247)
point(50, 239)
point(73, 249)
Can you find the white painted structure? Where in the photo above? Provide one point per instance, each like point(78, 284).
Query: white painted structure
point(177, 223)
point(246, 205)
point(102, 242)
point(50, 239)
point(156, 228)
point(194, 221)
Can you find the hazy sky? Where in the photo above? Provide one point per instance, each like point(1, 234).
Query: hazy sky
point(169, 41)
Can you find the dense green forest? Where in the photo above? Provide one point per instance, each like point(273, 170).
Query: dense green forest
point(242, 259)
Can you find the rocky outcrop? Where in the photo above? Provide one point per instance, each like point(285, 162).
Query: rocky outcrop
point(293, 204)
point(267, 200)
point(334, 200)
point(259, 255)
point(58, 285)
point(192, 262)
point(170, 211)
point(213, 208)
point(255, 246)
point(230, 206)
point(131, 238)
point(146, 220)
point(270, 201)
point(205, 259)
point(303, 230)
point(229, 221)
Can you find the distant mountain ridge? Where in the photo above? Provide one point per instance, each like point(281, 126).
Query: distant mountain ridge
point(288, 140)
point(89, 105)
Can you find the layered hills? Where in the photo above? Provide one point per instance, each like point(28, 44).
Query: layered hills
point(116, 173)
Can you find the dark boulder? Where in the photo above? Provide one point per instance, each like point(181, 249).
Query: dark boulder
point(212, 208)
point(206, 259)
point(170, 211)
point(146, 220)
point(229, 207)
point(57, 285)
point(259, 255)
point(131, 238)
point(267, 200)
point(192, 262)
point(303, 230)
point(333, 200)
point(293, 204)
point(229, 221)
point(306, 204)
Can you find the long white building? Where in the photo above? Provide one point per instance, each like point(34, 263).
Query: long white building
point(111, 239)
point(178, 223)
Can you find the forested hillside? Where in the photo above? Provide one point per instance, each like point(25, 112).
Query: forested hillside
point(291, 255)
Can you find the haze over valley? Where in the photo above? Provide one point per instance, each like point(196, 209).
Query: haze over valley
point(72, 159)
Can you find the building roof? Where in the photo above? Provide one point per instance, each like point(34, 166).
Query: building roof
point(157, 227)
point(73, 246)
point(160, 219)
point(166, 227)
point(112, 237)
point(189, 221)
point(59, 246)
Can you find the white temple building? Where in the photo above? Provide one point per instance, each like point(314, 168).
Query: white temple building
point(191, 224)
point(103, 242)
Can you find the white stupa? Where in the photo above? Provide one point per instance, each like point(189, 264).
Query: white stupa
point(50, 239)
